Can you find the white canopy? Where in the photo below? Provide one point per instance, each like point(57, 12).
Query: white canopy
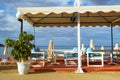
point(66, 16)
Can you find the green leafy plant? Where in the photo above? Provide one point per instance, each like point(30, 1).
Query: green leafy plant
point(21, 48)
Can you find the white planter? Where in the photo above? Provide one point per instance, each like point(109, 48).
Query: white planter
point(23, 67)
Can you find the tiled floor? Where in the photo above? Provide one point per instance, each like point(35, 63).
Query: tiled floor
point(62, 67)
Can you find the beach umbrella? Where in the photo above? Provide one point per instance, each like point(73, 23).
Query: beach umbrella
point(83, 49)
point(51, 53)
point(92, 44)
point(102, 48)
point(116, 48)
point(83, 46)
point(5, 52)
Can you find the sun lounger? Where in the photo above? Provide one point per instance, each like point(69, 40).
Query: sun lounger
point(95, 56)
point(71, 57)
point(38, 57)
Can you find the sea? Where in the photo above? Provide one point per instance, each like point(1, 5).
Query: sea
point(40, 48)
point(56, 48)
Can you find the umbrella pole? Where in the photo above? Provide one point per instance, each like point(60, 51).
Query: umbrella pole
point(55, 60)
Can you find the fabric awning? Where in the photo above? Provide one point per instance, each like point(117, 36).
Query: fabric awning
point(67, 16)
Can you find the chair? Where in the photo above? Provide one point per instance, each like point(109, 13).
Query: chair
point(70, 57)
point(94, 56)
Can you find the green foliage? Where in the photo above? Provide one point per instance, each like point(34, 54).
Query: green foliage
point(21, 48)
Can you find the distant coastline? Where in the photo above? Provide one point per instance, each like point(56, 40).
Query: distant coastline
point(2, 45)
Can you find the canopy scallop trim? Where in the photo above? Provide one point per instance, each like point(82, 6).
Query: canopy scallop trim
point(61, 16)
point(81, 9)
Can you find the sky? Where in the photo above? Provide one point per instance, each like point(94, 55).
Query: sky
point(10, 27)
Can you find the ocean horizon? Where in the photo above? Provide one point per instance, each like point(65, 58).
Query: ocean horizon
point(56, 48)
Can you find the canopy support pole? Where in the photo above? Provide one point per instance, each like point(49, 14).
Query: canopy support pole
point(111, 54)
point(21, 24)
point(111, 43)
point(34, 36)
point(79, 69)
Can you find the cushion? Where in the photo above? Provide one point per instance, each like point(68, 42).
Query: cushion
point(75, 50)
point(33, 50)
point(89, 50)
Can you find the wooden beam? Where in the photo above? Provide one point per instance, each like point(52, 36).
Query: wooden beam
point(115, 20)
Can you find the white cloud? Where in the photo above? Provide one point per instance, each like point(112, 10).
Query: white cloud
point(34, 2)
point(1, 11)
point(100, 2)
point(10, 27)
point(8, 22)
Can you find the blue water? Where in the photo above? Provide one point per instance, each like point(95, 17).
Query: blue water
point(56, 48)
point(41, 48)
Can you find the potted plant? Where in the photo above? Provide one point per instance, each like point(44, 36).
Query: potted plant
point(21, 50)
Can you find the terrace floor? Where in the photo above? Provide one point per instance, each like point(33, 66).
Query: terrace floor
point(36, 67)
point(62, 67)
